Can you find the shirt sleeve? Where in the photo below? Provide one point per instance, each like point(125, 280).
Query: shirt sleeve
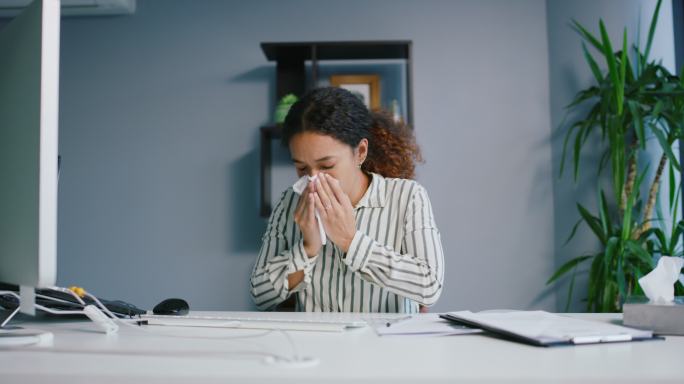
point(277, 258)
point(417, 273)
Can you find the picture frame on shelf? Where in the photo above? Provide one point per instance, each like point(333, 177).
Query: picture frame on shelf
point(366, 87)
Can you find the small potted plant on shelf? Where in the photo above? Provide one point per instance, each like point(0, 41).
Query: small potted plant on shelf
point(283, 107)
point(633, 101)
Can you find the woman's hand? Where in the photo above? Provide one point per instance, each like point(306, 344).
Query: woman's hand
point(305, 218)
point(335, 210)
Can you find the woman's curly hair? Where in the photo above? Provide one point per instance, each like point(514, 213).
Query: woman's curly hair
point(336, 112)
point(392, 150)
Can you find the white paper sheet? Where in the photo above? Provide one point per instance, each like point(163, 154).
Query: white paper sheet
point(422, 324)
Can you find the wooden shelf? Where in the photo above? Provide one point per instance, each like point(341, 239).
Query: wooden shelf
point(338, 50)
point(291, 59)
point(266, 134)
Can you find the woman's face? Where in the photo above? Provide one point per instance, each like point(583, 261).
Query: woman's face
point(313, 153)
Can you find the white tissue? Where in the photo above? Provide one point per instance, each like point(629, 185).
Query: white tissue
point(658, 285)
point(299, 187)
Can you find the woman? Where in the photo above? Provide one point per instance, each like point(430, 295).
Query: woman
point(383, 251)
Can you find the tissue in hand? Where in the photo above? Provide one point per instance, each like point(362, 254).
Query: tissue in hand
point(658, 285)
point(299, 186)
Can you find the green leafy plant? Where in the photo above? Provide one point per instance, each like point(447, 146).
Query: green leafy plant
point(628, 105)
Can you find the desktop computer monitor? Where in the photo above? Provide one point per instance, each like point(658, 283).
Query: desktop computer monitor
point(29, 91)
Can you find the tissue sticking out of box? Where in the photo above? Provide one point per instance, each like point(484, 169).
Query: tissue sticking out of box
point(299, 187)
point(658, 285)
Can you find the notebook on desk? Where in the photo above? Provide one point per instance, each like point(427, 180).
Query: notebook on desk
point(546, 329)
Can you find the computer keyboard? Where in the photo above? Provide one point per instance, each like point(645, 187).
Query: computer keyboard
point(63, 301)
point(305, 321)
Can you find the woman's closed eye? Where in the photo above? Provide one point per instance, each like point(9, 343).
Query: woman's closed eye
point(322, 167)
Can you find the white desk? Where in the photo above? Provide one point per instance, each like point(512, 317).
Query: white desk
point(81, 354)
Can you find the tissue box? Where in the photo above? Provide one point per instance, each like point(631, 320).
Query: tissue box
point(662, 319)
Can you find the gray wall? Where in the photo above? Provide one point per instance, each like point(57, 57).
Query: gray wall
point(159, 121)
point(160, 112)
point(568, 74)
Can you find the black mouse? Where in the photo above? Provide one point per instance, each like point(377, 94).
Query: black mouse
point(176, 307)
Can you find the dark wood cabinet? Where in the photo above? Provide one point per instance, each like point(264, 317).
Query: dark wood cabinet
point(291, 77)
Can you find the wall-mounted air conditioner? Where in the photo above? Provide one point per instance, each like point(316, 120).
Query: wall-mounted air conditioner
point(11, 8)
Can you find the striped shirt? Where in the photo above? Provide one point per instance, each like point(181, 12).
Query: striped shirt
point(394, 264)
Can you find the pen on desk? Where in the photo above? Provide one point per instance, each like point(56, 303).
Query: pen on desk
point(398, 319)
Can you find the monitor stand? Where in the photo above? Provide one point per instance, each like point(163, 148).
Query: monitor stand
point(18, 337)
point(13, 336)
point(7, 315)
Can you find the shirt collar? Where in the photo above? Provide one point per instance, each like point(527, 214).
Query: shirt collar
point(375, 194)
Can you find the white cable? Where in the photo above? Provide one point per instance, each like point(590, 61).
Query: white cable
point(91, 311)
point(106, 310)
point(14, 312)
point(58, 311)
point(41, 296)
point(295, 351)
point(128, 324)
point(139, 328)
point(69, 292)
point(237, 354)
point(8, 318)
point(271, 358)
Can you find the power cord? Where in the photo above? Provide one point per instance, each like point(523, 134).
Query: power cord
point(109, 323)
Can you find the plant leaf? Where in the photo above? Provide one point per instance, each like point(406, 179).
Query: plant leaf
point(593, 222)
point(570, 289)
point(651, 32)
point(595, 281)
point(623, 67)
point(676, 234)
point(612, 68)
point(638, 123)
point(592, 64)
point(604, 215)
point(630, 71)
point(577, 151)
point(672, 187)
point(657, 108)
point(662, 240)
point(641, 254)
point(572, 233)
point(608, 300)
point(565, 144)
point(587, 35)
point(627, 219)
point(563, 153)
point(566, 267)
point(620, 275)
point(611, 248)
point(664, 144)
